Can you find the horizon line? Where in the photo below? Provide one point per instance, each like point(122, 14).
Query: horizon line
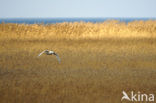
point(69, 17)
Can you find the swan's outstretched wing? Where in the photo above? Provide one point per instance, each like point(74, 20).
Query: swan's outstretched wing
point(59, 60)
point(41, 53)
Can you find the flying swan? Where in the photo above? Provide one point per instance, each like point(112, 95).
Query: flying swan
point(49, 52)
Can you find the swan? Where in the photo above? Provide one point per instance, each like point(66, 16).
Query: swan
point(50, 52)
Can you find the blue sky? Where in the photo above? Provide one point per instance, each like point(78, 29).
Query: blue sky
point(77, 8)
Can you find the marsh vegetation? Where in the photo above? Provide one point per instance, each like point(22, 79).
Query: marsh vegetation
point(98, 61)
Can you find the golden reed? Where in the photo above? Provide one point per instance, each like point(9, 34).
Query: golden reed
point(79, 30)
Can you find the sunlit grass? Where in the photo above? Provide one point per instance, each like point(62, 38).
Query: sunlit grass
point(76, 31)
point(98, 61)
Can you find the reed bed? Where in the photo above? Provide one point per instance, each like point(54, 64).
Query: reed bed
point(82, 30)
point(98, 61)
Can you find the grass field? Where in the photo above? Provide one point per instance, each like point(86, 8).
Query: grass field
point(98, 62)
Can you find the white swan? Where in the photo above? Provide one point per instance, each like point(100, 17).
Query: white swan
point(49, 52)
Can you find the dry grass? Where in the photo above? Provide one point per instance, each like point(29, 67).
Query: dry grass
point(76, 31)
point(99, 61)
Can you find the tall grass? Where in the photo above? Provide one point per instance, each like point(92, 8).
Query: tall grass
point(75, 31)
point(98, 61)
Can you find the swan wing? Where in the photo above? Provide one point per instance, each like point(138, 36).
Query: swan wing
point(41, 53)
point(58, 58)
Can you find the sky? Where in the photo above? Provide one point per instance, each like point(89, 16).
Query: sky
point(77, 8)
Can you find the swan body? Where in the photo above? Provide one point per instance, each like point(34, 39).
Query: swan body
point(49, 52)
